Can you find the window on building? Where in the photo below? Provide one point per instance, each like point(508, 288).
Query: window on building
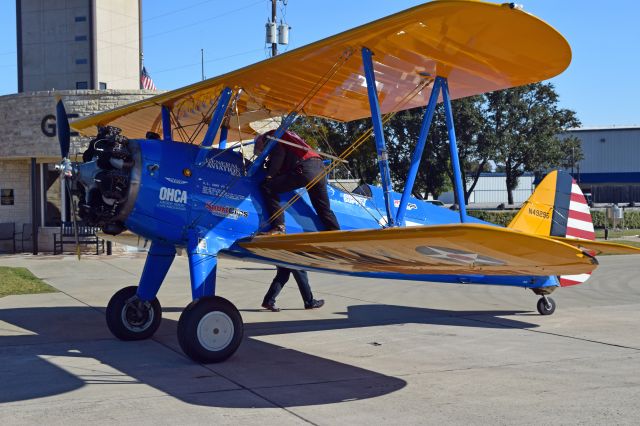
point(6, 198)
point(81, 85)
point(103, 86)
point(81, 38)
point(82, 61)
point(81, 18)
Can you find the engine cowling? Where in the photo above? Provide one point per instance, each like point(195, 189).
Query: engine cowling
point(107, 180)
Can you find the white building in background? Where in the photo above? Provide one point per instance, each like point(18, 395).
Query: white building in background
point(491, 190)
point(610, 169)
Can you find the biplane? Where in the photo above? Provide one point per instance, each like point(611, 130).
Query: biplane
point(189, 184)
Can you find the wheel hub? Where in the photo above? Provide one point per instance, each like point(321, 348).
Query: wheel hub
point(137, 315)
point(215, 331)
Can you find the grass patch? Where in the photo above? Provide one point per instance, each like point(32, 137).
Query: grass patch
point(21, 281)
point(617, 233)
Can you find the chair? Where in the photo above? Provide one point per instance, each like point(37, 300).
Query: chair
point(8, 233)
point(26, 234)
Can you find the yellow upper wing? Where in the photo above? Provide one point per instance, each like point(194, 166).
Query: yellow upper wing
point(478, 46)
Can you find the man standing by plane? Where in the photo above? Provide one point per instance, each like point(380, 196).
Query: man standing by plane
point(281, 278)
point(290, 168)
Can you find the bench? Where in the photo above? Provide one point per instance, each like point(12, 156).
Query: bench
point(8, 233)
point(86, 236)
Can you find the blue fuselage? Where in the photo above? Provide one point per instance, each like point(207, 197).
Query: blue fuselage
point(218, 204)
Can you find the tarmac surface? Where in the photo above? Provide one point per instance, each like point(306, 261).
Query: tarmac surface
point(378, 352)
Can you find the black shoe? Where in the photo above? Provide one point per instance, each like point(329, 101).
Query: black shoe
point(315, 304)
point(270, 307)
point(276, 230)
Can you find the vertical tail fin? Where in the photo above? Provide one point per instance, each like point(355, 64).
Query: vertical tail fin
point(557, 208)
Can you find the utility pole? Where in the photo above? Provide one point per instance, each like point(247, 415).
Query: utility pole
point(276, 34)
point(274, 46)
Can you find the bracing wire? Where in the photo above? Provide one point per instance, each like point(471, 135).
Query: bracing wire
point(350, 149)
point(323, 139)
point(342, 59)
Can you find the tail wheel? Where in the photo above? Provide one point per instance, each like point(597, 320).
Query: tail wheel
point(546, 306)
point(130, 318)
point(210, 329)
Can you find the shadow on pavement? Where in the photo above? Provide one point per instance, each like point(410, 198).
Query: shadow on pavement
point(70, 347)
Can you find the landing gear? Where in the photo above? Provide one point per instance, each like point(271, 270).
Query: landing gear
point(130, 318)
point(210, 329)
point(546, 305)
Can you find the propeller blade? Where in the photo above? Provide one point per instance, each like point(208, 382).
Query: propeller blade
point(64, 133)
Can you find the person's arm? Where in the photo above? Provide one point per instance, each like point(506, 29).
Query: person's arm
point(276, 160)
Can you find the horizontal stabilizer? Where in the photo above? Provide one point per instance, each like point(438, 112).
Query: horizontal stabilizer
point(599, 247)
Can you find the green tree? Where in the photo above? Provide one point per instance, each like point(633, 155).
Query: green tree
point(403, 131)
point(334, 137)
point(474, 149)
point(435, 174)
point(524, 124)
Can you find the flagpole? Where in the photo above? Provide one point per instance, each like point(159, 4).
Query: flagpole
point(140, 46)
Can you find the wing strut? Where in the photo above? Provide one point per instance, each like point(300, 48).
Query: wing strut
point(453, 149)
point(378, 133)
point(214, 125)
point(224, 133)
point(166, 123)
point(417, 153)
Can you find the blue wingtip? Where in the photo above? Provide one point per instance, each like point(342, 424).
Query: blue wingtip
point(64, 133)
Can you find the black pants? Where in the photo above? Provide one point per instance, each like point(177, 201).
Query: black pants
point(282, 276)
point(304, 173)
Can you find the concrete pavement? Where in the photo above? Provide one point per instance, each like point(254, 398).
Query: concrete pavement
point(378, 352)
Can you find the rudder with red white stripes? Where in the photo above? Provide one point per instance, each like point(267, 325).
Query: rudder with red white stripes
point(557, 208)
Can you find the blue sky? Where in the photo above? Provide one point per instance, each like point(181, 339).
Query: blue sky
point(601, 84)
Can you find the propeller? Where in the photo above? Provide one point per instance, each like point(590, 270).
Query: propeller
point(64, 133)
point(66, 169)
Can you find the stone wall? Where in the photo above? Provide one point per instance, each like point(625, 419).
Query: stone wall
point(27, 120)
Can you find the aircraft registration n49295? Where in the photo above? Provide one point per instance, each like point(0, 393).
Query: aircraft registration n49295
point(194, 189)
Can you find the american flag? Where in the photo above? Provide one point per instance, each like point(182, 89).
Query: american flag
point(146, 81)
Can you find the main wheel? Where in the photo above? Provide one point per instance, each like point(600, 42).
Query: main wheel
point(210, 329)
point(130, 318)
point(546, 306)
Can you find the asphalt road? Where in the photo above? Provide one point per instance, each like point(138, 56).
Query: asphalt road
point(379, 352)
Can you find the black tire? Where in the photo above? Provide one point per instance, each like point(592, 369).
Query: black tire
point(128, 318)
point(210, 329)
point(546, 308)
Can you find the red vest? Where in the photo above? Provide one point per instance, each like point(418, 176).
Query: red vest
point(302, 154)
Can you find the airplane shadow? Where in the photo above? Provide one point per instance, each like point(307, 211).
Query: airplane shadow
point(258, 373)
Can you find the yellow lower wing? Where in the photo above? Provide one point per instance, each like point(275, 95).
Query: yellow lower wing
point(443, 249)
